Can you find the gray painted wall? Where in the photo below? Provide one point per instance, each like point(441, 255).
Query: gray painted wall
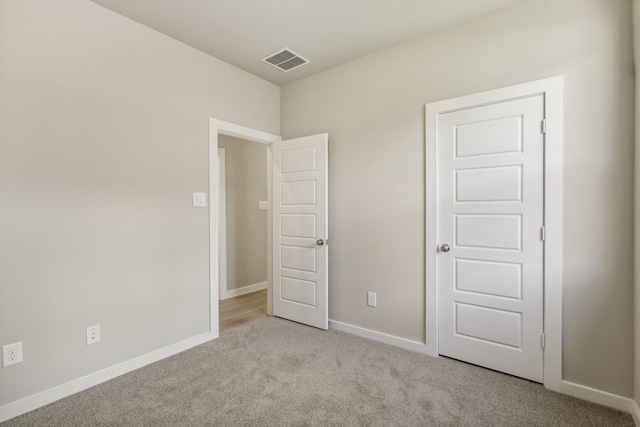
point(104, 135)
point(246, 184)
point(373, 110)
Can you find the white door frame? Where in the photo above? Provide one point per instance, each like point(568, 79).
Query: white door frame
point(551, 89)
point(222, 224)
point(219, 127)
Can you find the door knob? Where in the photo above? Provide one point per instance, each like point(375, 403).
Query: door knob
point(319, 242)
point(444, 248)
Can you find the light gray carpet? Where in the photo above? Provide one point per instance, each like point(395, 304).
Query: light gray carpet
point(282, 373)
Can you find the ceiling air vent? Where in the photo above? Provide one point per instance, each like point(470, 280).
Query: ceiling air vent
point(285, 60)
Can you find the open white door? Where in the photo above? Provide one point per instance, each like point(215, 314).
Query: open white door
point(300, 258)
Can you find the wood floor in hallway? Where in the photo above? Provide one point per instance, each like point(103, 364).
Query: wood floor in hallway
point(243, 311)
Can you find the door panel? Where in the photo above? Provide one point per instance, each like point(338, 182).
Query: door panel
point(490, 325)
point(489, 277)
point(502, 184)
point(298, 225)
point(298, 291)
point(490, 212)
point(489, 137)
point(300, 264)
point(298, 160)
point(488, 231)
point(298, 258)
point(298, 193)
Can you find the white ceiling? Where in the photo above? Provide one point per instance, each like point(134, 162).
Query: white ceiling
point(326, 32)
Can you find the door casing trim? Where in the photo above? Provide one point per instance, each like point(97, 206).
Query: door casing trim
point(220, 127)
point(552, 91)
point(222, 224)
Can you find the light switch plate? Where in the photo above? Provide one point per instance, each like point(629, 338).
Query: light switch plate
point(263, 204)
point(371, 299)
point(199, 200)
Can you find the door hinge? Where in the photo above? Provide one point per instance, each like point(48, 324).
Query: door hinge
point(542, 340)
point(543, 125)
point(543, 234)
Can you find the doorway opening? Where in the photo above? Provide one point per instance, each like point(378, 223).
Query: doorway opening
point(297, 238)
point(243, 205)
point(218, 128)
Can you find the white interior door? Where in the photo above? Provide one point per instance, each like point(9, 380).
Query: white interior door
point(300, 258)
point(490, 219)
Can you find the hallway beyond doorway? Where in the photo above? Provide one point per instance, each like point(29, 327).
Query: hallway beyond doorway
point(243, 311)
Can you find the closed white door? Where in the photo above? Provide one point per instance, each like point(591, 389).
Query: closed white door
point(490, 232)
point(300, 258)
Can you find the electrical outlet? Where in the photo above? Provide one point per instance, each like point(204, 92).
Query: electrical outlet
point(371, 299)
point(93, 334)
point(11, 354)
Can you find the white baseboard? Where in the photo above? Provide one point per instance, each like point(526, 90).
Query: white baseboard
point(601, 398)
point(635, 413)
point(378, 336)
point(38, 400)
point(225, 294)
